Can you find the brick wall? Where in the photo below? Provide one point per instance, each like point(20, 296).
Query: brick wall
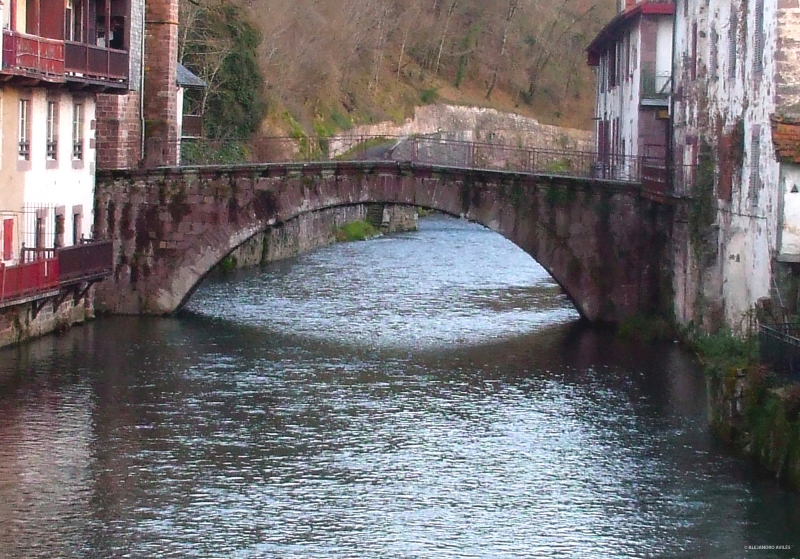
point(119, 119)
point(119, 131)
point(160, 83)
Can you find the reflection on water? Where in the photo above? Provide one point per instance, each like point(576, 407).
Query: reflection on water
point(423, 395)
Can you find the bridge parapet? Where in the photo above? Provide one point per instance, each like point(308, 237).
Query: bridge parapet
point(431, 149)
point(602, 240)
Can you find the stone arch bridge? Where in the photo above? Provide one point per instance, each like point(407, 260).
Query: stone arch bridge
point(604, 242)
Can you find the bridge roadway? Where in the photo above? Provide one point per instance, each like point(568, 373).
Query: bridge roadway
point(605, 242)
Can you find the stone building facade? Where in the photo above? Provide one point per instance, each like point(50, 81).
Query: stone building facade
point(733, 155)
point(726, 96)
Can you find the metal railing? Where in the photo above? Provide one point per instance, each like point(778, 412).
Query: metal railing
point(192, 126)
point(779, 347)
point(655, 85)
point(420, 150)
point(36, 254)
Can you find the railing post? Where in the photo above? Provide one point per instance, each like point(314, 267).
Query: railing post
point(472, 149)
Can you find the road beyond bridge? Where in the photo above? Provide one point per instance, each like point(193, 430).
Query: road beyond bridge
point(603, 241)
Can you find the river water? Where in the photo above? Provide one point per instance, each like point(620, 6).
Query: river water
point(423, 395)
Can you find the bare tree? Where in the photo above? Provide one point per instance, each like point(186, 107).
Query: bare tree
point(512, 11)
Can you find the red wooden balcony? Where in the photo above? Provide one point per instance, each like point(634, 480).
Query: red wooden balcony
point(85, 262)
point(26, 282)
point(55, 273)
point(33, 56)
point(90, 63)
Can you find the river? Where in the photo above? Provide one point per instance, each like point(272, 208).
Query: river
point(422, 395)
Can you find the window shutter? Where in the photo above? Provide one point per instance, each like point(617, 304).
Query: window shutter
point(8, 239)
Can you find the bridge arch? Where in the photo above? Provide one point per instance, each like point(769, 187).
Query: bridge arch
point(601, 241)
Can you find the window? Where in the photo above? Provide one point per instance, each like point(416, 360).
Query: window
point(39, 232)
point(713, 63)
point(8, 239)
point(25, 129)
point(733, 31)
point(758, 40)
point(755, 162)
point(58, 240)
point(77, 224)
point(73, 21)
point(52, 130)
point(77, 131)
point(612, 67)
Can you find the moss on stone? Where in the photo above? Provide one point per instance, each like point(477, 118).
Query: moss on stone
point(747, 410)
point(356, 231)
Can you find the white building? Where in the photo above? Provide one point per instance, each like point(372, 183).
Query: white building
point(56, 56)
point(633, 58)
point(736, 101)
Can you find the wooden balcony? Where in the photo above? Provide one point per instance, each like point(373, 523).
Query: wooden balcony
point(34, 57)
point(28, 282)
point(96, 65)
point(55, 274)
point(85, 262)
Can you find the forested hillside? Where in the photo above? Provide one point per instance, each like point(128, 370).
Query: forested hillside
point(323, 65)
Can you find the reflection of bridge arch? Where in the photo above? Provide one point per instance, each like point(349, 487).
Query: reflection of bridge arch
point(600, 240)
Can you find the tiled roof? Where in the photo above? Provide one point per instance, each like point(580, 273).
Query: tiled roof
point(623, 20)
point(187, 79)
point(786, 138)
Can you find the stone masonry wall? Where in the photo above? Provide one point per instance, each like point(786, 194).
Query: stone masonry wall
point(160, 83)
point(604, 243)
point(296, 236)
point(119, 131)
point(119, 118)
point(473, 124)
point(760, 421)
point(18, 325)
point(788, 59)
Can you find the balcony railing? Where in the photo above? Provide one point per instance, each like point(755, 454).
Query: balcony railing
point(779, 346)
point(655, 86)
point(99, 64)
point(84, 262)
point(28, 281)
point(35, 254)
point(44, 273)
point(33, 56)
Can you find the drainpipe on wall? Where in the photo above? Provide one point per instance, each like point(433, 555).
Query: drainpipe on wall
point(669, 160)
point(141, 86)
